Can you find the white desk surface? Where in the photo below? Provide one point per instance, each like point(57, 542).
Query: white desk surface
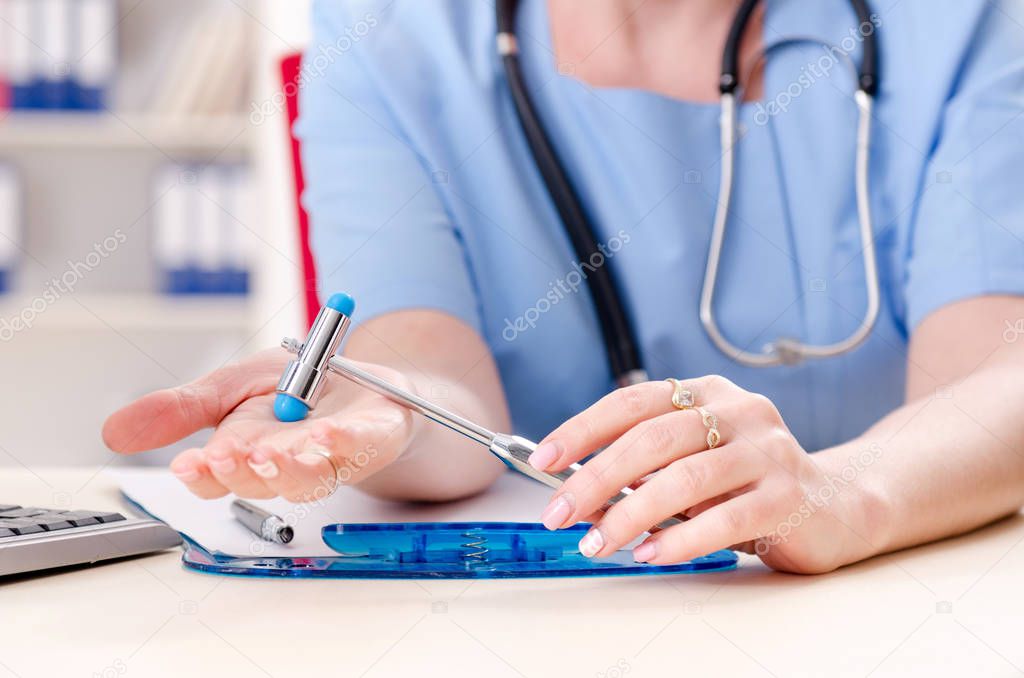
point(951, 608)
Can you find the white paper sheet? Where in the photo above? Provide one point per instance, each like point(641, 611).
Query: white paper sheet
point(210, 523)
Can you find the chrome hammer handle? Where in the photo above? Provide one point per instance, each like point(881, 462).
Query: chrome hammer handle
point(513, 450)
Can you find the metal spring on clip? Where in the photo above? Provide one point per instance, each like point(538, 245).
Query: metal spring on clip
point(476, 548)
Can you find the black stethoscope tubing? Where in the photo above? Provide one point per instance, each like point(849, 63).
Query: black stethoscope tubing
point(616, 330)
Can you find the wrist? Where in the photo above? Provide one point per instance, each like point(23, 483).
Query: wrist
point(862, 504)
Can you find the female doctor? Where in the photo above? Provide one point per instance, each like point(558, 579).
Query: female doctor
point(845, 393)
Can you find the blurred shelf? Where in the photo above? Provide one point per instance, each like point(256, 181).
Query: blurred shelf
point(130, 312)
point(205, 135)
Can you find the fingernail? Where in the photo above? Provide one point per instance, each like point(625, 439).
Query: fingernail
point(557, 512)
point(186, 475)
point(591, 543)
point(645, 552)
point(222, 464)
point(544, 455)
point(261, 465)
point(310, 458)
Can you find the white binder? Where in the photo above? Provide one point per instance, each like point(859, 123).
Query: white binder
point(95, 43)
point(10, 219)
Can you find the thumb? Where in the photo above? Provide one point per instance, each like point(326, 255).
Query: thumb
point(168, 415)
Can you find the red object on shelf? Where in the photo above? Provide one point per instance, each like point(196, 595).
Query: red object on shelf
point(291, 67)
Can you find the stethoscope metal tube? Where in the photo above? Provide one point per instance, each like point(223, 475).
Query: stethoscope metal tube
point(786, 351)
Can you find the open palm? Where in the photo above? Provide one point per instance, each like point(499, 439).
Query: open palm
point(251, 453)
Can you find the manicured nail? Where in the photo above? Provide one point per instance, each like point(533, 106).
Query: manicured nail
point(186, 475)
point(261, 464)
point(544, 455)
point(591, 543)
point(645, 552)
point(310, 458)
point(557, 512)
point(222, 464)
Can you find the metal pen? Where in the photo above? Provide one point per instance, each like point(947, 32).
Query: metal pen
point(263, 524)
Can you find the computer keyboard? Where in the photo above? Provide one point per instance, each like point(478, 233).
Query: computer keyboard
point(33, 538)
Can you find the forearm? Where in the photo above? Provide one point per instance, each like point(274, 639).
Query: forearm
point(947, 462)
point(448, 364)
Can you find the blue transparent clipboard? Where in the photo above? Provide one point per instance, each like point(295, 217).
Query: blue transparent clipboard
point(445, 551)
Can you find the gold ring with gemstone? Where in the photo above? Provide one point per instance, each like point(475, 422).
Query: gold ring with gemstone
point(682, 399)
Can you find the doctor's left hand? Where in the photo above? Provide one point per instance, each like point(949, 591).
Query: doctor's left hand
point(740, 494)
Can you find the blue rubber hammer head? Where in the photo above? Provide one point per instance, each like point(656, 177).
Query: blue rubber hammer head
point(303, 378)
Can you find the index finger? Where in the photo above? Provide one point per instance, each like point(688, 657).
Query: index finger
point(163, 417)
point(610, 417)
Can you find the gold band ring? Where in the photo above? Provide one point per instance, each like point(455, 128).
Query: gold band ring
point(334, 467)
point(711, 422)
point(682, 399)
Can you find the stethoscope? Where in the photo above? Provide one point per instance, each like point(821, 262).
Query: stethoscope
point(616, 330)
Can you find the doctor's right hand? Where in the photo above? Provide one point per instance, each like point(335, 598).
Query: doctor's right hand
point(251, 453)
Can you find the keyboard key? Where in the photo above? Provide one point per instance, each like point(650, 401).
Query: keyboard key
point(26, 512)
point(15, 520)
point(81, 518)
point(52, 521)
point(20, 525)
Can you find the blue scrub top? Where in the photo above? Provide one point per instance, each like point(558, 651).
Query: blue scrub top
point(422, 194)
